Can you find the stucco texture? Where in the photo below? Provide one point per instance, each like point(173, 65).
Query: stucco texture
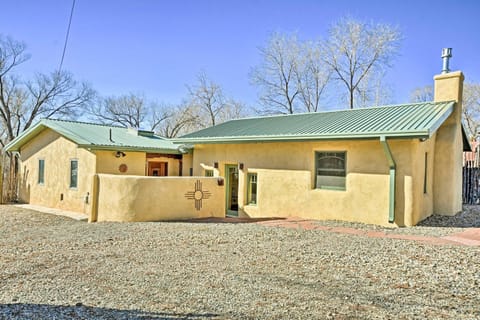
point(57, 152)
point(286, 179)
point(135, 198)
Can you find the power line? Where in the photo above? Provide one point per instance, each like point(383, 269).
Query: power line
point(66, 37)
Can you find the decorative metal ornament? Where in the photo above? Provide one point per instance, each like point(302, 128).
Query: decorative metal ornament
point(198, 195)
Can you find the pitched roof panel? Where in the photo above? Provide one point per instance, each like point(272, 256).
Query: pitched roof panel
point(97, 136)
point(404, 120)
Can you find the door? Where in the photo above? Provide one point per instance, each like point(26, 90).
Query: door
point(231, 177)
point(159, 169)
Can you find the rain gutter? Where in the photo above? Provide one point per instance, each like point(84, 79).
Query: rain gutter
point(393, 168)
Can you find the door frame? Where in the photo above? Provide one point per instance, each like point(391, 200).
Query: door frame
point(228, 212)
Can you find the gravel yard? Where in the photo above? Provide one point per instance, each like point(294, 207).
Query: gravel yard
point(56, 268)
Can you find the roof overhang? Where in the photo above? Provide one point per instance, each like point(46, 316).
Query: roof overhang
point(128, 149)
point(16, 144)
point(298, 138)
point(26, 136)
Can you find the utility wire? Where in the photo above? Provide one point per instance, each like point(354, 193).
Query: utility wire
point(66, 37)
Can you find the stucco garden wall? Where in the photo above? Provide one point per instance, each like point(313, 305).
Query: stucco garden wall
point(286, 179)
point(57, 152)
point(135, 198)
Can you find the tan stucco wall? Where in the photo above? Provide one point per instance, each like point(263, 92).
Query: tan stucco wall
point(187, 163)
point(449, 147)
point(134, 198)
point(57, 153)
point(108, 163)
point(286, 174)
point(422, 203)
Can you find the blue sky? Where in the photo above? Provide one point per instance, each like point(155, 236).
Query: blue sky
point(157, 47)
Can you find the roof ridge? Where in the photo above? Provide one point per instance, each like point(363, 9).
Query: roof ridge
point(84, 122)
point(340, 110)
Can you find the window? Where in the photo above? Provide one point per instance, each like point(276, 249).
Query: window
point(252, 188)
point(41, 171)
point(425, 174)
point(208, 173)
point(73, 173)
point(330, 170)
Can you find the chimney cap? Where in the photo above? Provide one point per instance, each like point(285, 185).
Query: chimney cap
point(446, 52)
point(446, 55)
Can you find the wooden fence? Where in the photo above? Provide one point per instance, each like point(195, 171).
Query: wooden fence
point(471, 185)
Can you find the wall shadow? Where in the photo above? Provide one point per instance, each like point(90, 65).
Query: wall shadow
point(232, 220)
point(468, 218)
point(80, 311)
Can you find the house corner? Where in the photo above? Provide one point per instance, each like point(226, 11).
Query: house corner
point(447, 183)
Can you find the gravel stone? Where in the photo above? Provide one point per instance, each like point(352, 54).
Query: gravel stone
point(53, 267)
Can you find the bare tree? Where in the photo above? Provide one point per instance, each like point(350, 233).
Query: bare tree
point(130, 110)
point(312, 76)
point(22, 102)
point(209, 104)
point(373, 90)
point(422, 94)
point(181, 119)
point(354, 49)
point(276, 75)
point(471, 109)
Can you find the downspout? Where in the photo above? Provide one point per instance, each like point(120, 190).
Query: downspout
point(393, 168)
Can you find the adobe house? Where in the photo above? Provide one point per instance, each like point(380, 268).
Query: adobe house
point(108, 173)
point(390, 165)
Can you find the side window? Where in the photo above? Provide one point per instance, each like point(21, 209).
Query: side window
point(208, 173)
point(73, 173)
point(252, 188)
point(41, 171)
point(330, 170)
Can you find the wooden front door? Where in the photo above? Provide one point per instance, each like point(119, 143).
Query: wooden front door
point(158, 169)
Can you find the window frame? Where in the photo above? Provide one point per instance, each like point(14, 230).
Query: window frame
point(209, 173)
point(71, 186)
point(327, 187)
point(41, 171)
point(250, 177)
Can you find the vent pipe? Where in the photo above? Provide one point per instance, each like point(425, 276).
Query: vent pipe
point(446, 55)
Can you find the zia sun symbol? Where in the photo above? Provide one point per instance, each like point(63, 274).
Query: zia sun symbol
point(198, 195)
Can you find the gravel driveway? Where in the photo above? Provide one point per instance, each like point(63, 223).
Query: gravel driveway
point(56, 268)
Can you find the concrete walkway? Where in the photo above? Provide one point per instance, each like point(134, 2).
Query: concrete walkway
point(469, 237)
point(57, 212)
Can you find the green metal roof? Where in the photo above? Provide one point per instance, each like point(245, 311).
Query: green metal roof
point(417, 120)
point(98, 137)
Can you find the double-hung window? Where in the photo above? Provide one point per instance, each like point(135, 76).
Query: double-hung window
point(330, 170)
point(73, 173)
point(252, 189)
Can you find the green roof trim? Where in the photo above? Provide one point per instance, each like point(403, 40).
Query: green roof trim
point(98, 137)
point(415, 120)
